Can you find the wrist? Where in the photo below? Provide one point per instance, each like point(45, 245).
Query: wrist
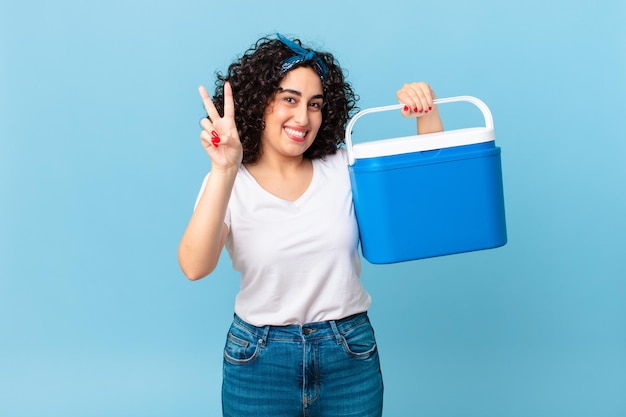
point(224, 172)
point(430, 122)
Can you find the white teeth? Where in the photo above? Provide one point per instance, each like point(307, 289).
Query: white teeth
point(294, 132)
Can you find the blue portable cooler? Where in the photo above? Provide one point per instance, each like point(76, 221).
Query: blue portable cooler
point(429, 195)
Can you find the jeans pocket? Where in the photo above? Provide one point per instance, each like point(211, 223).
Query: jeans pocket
point(359, 342)
point(242, 347)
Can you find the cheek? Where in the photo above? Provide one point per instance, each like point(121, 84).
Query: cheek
point(316, 120)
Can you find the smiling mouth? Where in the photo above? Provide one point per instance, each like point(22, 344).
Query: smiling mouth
point(296, 134)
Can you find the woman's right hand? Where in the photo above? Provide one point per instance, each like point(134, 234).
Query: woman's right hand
point(219, 135)
point(205, 236)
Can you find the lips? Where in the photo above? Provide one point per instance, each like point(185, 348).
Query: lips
point(296, 134)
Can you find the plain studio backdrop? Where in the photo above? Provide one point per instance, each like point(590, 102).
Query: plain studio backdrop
point(100, 164)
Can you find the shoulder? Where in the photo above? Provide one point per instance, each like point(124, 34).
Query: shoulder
point(333, 167)
point(338, 159)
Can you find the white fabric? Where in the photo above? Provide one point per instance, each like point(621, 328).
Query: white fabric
point(298, 260)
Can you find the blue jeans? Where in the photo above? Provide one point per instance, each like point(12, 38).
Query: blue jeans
point(328, 369)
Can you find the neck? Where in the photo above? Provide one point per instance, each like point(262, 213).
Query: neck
point(280, 164)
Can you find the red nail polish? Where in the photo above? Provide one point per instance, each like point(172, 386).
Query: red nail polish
point(415, 110)
point(406, 108)
point(215, 138)
point(430, 108)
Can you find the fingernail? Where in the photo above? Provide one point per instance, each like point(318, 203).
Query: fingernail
point(406, 108)
point(215, 139)
point(415, 110)
point(430, 108)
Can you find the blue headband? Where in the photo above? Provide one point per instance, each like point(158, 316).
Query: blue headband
point(302, 55)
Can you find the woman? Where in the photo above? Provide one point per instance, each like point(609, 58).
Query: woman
point(278, 197)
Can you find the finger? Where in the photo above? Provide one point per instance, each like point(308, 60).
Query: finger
point(209, 133)
point(419, 93)
point(229, 104)
point(405, 98)
point(205, 136)
point(209, 139)
point(411, 98)
point(425, 97)
point(206, 124)
point(208, 104)
point(407, 109)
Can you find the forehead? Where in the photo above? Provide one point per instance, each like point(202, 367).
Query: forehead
point(302, 79)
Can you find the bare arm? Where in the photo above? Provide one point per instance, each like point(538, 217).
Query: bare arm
point(204, 238)
point(206, 233)
point(418, 102)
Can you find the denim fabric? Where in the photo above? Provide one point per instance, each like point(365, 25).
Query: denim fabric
point(328, 369)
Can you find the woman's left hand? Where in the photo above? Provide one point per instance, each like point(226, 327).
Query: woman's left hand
point(417, 99)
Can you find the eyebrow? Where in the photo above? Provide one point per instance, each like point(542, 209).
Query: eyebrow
point(298, 93)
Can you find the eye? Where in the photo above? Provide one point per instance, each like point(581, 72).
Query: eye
point(316, 105)
point(290, 100)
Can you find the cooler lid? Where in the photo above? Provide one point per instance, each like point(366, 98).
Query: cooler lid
point(419, 143)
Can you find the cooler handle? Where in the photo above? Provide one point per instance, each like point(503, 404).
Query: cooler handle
point(475, 101)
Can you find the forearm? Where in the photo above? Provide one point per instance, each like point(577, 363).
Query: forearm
point(204, 238)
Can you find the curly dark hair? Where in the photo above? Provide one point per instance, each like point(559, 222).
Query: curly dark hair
point(255, 79)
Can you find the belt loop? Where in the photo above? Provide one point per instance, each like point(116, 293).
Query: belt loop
point(266, 331)
point(338, 336)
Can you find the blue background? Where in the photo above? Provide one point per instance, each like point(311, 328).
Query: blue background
point(100, 163)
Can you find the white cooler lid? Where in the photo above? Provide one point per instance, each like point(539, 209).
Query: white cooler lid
point(420, 143)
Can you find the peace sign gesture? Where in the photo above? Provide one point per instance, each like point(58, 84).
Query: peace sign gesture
point(219, 135)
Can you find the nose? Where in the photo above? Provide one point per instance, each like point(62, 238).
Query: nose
point(301, 115)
